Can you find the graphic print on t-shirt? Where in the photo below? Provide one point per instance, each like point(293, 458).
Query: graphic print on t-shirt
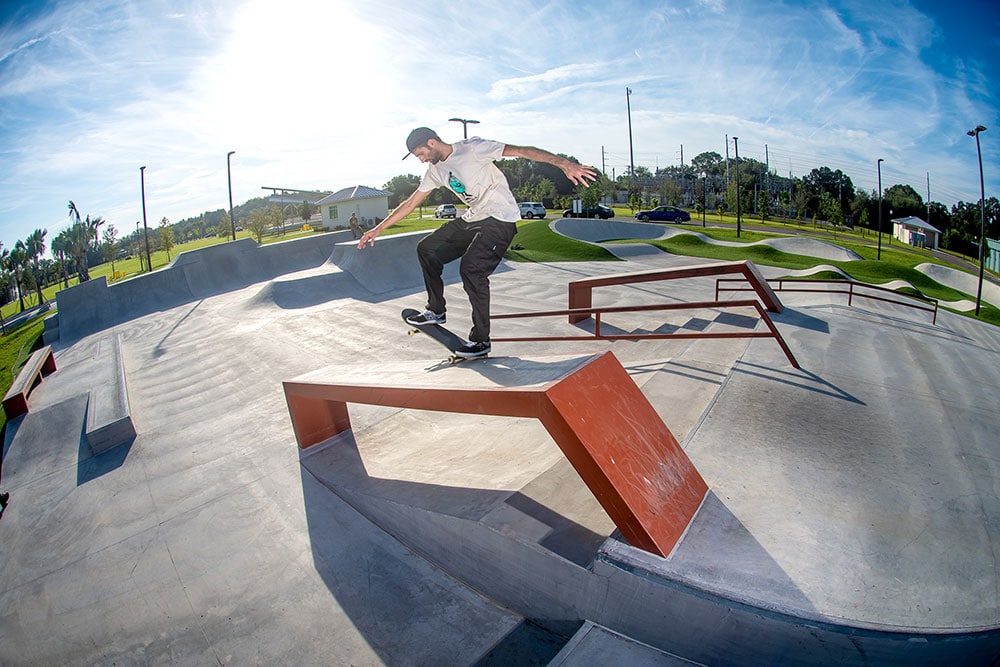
point(458, 187)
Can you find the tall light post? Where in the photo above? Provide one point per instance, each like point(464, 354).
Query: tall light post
point(704, 195)
point(229, 178)
point(879, 165)
point(465, 125)
point(139, 251)
point(736, 143)
point(631, 154)
point(982, 215)
point(142, 180)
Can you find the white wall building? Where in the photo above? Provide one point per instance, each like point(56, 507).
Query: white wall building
point(914, 231)
point(367, 203)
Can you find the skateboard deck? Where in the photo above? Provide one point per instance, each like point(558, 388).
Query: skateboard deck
point(443, 336)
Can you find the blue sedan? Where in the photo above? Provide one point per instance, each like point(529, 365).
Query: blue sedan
point(663, 214)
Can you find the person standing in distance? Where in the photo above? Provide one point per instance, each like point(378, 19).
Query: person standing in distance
point(481, 235)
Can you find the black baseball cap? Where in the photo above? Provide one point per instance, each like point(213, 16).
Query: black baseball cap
point(418, 138)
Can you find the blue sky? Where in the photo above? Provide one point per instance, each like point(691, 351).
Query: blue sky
point(322, 95)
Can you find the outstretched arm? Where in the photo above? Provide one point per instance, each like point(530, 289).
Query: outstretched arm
point(577, 173)
point(398, 213)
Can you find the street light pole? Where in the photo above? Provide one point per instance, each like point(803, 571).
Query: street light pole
point(142, 179)
point(736, 143)
point(982, 215)
point(137, 245)
point(465, 125)
point(229, 178)
point(704, 195)
point(879, 165)
point(631, 154)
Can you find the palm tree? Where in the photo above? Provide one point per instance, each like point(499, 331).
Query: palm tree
point(79, 239)
point(5, 280)
point(16, 261)
point(60, 248)
point(35, 248)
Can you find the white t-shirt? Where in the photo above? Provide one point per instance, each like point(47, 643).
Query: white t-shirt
point(469, 172)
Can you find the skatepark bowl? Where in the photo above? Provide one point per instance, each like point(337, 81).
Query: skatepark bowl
point(298, 481)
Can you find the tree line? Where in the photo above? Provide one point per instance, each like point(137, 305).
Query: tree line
point(710, 182)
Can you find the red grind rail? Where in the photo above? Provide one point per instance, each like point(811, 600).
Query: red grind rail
point(584, 313)
point(851, 292)
point(594, 412)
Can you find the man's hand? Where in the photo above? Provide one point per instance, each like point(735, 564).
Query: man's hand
point(579, 174)
point(368, 238)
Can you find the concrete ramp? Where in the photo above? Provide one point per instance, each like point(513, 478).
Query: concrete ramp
point(191, 276)
point(599, 231)
point(962, 281)
point(389, 265)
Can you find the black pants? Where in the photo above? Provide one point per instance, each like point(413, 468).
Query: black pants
point(481, 246)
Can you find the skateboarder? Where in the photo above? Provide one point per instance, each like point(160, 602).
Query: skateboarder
point(480, 236)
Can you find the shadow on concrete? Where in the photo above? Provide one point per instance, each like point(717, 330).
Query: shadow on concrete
point(800, 378)
point(528, 644)
point(677, 369)
point(90, 466)
point(160, 348)
point(451, 519)
point(801, 319)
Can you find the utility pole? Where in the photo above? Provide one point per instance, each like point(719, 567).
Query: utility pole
point(736, 144)
point(229, 179)
point(142, 180)
point(928, 197)
point(982, 214)
point(631, 154)
point(727, 160)
point(767, 172)
point(879, 164)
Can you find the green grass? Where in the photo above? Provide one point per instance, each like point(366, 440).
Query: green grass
point(538, 243)
point(897, 262)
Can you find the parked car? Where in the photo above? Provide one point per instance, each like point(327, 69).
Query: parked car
point(531, 209)
point(663, 214)
point(599, 211)
point(445, 211)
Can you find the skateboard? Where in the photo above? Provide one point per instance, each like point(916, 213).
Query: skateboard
point(449, 340)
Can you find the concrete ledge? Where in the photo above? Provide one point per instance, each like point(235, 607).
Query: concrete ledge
point(109, 418)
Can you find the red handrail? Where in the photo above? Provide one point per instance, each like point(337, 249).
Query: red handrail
point(597, 335)
point(850, 292)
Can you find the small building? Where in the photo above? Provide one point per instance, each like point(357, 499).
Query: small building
point(915, 232)
point(992, 257)
point(369, 204)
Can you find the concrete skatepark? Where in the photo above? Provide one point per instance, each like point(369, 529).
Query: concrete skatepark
point(850, 516)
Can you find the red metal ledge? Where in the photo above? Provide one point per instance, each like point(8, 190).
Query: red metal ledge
point(593, 410)
point(581, 291)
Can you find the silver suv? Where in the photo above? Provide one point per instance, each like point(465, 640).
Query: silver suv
point(445, 211)
point(531, 209)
